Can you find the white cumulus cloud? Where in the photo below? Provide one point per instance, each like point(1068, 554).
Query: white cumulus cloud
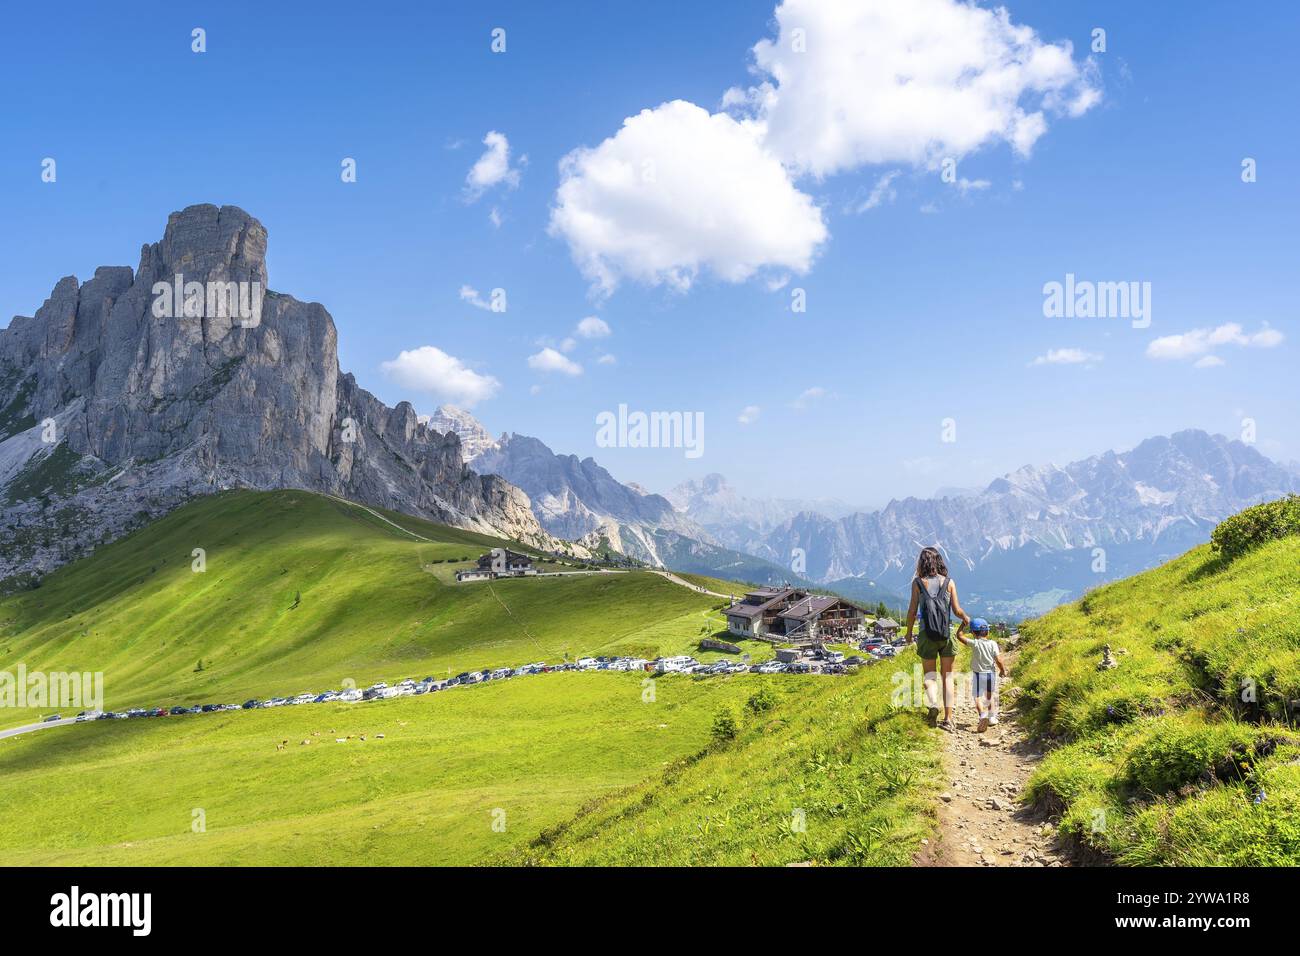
point(844, 84)
point(749, 414)
point(678, 190)
point(1199, 342)
point(493, 167)
point(551, 360)
point(430, 369)
point(593, 327)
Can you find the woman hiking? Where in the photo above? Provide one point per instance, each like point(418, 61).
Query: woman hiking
point(935, 595)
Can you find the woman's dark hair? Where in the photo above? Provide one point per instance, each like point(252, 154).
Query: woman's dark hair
point(930, 564)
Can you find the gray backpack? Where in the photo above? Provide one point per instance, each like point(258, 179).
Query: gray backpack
point(936, 610)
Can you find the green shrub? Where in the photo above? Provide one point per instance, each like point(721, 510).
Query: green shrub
point(1254, 526)
point(761, 701)
point(1178, 753)
point(726, 725)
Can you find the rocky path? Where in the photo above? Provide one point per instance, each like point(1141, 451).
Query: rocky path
point(981, 822)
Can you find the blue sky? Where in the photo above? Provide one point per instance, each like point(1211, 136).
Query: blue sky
point(924, 307)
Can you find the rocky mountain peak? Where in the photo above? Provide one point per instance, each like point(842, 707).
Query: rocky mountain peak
point(474, 438)
point(210, 242)
point(128, 394)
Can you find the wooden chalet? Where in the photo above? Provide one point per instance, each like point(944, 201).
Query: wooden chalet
point(794, 615)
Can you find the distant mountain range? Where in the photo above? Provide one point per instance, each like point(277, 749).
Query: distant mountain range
point(1025, 543)
point(1043, 535)
point(740, 522)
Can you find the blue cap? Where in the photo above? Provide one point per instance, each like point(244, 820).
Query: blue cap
point(979, 626)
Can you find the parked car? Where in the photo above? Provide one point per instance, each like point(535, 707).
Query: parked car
point(178, 710)
point(160, 712)
point(250, 704)
point(209, 708)
point(46, 720)
point(107, 715)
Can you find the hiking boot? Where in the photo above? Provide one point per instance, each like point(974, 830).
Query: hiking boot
point(947, 725)
point(983, 725)
point(932, 718)
point(993, 720)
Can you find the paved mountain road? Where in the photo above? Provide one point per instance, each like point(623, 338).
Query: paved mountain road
point(28, 728)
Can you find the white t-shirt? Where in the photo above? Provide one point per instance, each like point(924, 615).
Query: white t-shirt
point(983, 655)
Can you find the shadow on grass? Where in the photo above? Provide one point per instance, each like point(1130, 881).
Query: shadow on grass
point(64, 745)
point(1208, 569)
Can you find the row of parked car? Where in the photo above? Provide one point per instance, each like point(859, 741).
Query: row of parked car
point(829, 662)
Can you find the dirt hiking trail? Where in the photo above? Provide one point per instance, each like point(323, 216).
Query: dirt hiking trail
point(981, 822)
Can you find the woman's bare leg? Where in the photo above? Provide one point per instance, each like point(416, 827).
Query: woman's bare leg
point(930, 687)
point(945, 665)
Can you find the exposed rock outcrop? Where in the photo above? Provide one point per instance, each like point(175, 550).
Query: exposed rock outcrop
point(120, 400)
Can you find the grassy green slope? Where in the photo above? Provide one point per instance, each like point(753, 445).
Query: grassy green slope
point(1184, 753)
point(301, 593)
point(526, 752)
point(820, 771)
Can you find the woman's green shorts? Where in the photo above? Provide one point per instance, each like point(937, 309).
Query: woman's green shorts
point(929, 647)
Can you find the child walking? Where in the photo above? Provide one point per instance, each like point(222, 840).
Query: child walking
point(984, 657)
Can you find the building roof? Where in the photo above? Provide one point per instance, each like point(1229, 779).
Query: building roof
point(887, 622)
point(771, 596)
point(810, 606)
